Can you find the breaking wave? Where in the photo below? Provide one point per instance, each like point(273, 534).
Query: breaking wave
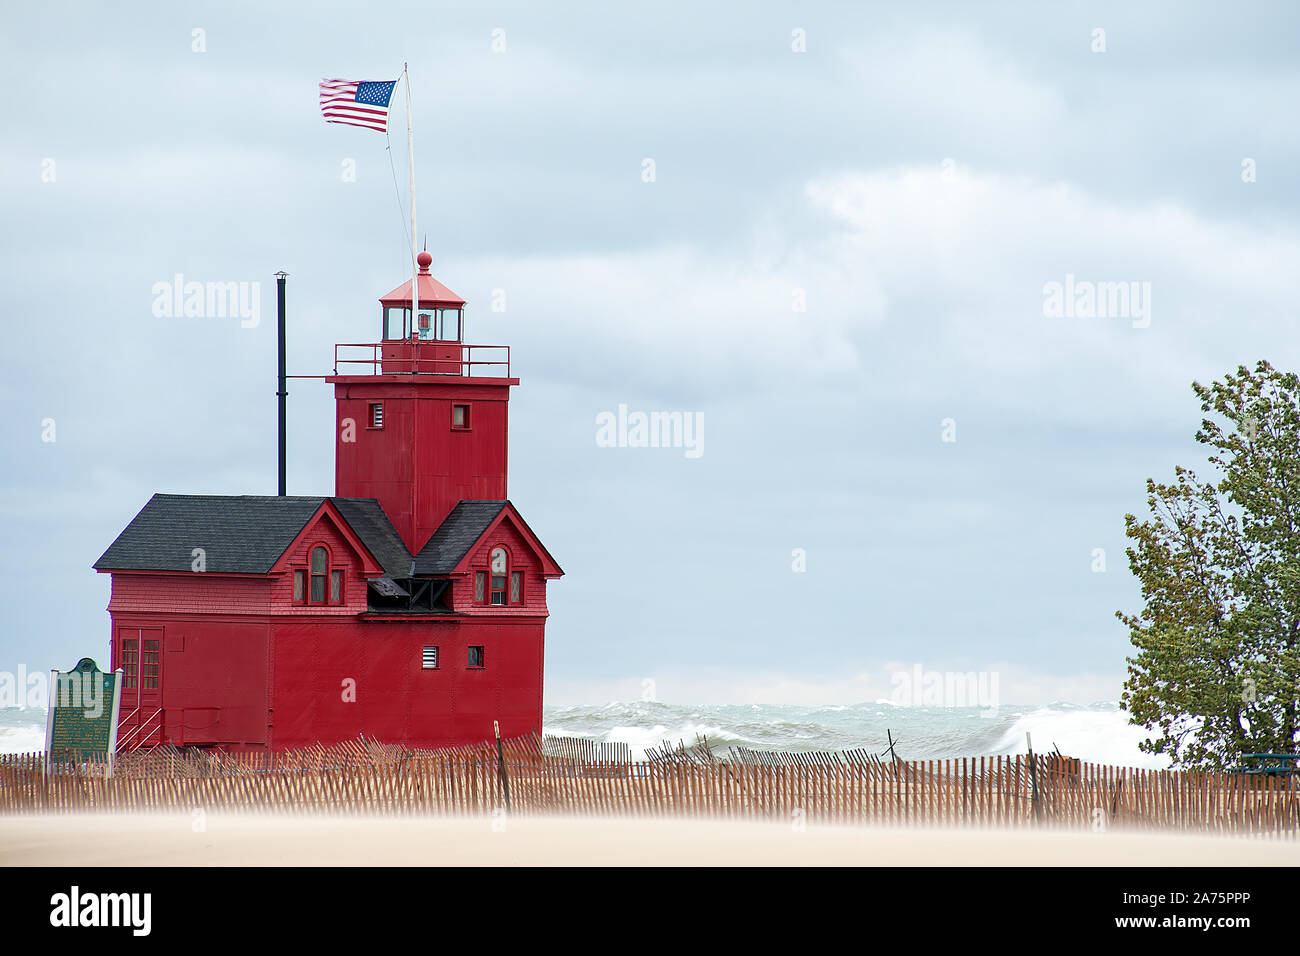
point(1097, 732)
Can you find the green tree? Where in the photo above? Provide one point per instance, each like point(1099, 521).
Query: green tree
point(1217, 668)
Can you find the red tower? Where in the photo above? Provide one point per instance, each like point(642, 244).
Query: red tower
point(422, 418)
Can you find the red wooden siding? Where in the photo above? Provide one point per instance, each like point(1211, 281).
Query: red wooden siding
point(397, 700)
point(181, 593)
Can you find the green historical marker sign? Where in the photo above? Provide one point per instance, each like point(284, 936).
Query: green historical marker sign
point(82, 719)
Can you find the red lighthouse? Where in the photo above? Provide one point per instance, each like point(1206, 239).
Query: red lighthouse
point(409, 607)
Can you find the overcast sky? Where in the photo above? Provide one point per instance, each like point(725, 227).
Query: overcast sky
point(916, 175)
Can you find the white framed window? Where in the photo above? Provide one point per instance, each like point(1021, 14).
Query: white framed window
point(321, 582)
point(499, 565)
point(430, 659)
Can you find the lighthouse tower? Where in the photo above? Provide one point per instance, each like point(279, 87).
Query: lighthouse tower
point(422, 416)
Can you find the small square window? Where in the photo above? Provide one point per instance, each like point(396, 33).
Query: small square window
point(460, 416)
point(476, 656)
point(376, 414)
point(430, 659)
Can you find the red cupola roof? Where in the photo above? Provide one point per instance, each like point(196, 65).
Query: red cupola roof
point(432, 292)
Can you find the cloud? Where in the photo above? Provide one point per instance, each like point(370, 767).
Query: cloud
point(917, 286)
point(938, 88)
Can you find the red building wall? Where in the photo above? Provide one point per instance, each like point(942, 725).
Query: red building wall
point(215, 634)
point(243, 666)
point(333, 680)
point(150, 592)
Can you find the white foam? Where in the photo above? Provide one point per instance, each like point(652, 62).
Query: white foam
point(1097, 736)
point(641, 738)
point(21, 740)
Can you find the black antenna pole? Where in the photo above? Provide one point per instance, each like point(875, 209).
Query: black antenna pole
point(283, 393)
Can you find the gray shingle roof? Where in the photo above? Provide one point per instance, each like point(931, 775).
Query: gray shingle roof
point(240, 534)
point(456, 535)
point(367, 519)
point(247, 534)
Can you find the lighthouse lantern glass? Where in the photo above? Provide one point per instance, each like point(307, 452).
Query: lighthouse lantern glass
point(395, 322)
point(440, 324)
point(449, 325)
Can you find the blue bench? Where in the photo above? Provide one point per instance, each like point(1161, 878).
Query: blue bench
point(1270, 764)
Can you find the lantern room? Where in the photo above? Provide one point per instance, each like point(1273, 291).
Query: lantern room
point(430, 341)
point(440, 315)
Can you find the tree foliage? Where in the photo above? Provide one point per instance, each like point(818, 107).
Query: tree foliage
point(1216, 672)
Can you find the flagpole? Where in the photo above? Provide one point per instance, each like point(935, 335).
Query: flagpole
point(410, 159)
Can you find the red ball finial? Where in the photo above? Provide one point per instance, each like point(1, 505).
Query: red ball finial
point(424, 259)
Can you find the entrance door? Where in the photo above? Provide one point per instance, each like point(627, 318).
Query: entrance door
point(139, 654)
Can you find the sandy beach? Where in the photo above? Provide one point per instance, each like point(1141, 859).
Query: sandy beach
point(232, 840)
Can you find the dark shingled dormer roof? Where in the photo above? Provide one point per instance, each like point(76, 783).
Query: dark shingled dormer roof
point(240, 534)
point(456, 535)
point(367, 519)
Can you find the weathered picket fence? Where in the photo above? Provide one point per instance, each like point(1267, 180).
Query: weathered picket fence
point(580, 748)
point(544, 779)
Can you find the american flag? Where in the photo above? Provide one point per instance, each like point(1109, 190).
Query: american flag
point(357, 102)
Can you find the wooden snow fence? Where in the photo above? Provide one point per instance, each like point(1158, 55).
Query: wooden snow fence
point(556, 776)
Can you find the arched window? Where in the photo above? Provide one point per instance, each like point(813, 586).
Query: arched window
point(320, 568)
point(318, 583)
point(500, 584)
point(500, 568)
